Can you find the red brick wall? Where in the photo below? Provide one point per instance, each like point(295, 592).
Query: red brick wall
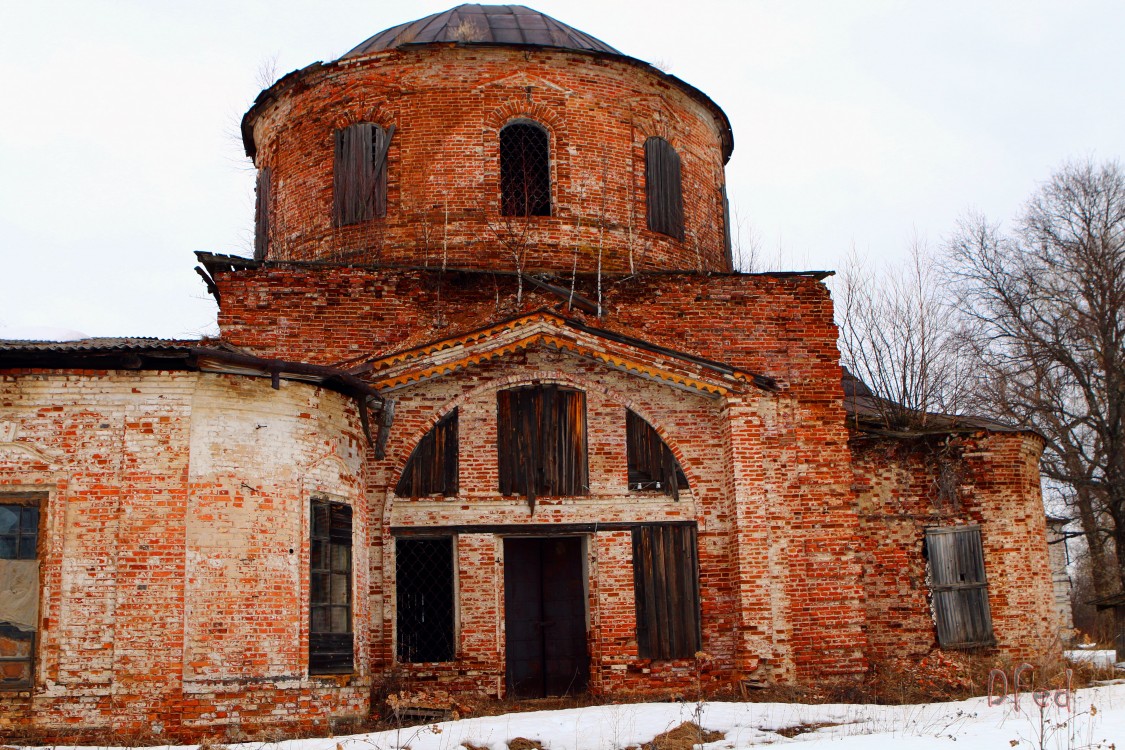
point(173, 549)
point(448, 105)
point(897, 484)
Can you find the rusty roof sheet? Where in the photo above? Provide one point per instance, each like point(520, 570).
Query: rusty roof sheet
point(484, 24)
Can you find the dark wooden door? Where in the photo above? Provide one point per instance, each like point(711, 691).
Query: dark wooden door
point(545, 617)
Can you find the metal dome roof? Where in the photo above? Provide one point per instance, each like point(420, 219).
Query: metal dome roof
point(484, 24)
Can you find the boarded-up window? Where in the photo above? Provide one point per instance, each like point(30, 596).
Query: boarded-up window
point(19, 592)
point(432, 467)
point(666, 587)
point(525, 170)
point(957, 582)
point(330, 589)
point(663, 193)
point(541, 441)
point(359, 175)
point(262, 208)
point(651, 463)
point(424, 598)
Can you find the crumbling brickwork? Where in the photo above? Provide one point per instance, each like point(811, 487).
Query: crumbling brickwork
point(905, 485)
point(448, 104)
point(181, 578)
point(173, 547)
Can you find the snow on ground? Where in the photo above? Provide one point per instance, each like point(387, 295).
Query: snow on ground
point(1094, 657)
point(1095, 719)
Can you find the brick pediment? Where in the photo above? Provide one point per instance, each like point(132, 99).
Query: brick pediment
point(549, 330)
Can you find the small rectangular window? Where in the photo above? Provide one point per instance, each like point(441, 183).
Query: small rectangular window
point(19, 593)
point(424, 596)
point(959, 588)
point(666, 591)
point(541, 442)
point(331, 649)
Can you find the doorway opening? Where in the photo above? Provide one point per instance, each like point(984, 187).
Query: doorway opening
point(545, 617)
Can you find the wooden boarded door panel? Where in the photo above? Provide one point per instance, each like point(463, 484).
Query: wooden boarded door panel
point(545, 617)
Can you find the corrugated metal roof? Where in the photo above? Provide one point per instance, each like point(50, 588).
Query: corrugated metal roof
point(484, 24)
point(130, 343)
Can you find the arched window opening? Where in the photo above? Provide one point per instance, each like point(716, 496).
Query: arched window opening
point(359, 175)
point(525, 170)
point(652, 466)
point(541, 442)
point(432, 467)
point(663, 191)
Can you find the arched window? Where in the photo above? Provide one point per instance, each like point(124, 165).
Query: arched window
point(525, 170)
point(359, 173)
point(663, 192)
point(432, 467)
point(651, 463)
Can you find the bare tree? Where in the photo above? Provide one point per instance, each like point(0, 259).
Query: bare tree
point(896, 335)
point(1045, 311)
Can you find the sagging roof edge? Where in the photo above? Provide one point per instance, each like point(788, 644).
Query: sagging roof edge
point(164, 355)
point(297, 77)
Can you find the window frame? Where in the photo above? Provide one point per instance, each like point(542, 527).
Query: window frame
point(666, 591)
point(520, 470)
point(450, 655)
point(962, 548)
point(651, 465)
point(37, 503)
point(329, 647)
point(439, 446)
point(359, 173)
point(526, 205)
point(664, 195)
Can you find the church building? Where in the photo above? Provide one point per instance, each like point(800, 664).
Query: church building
point(491, 412)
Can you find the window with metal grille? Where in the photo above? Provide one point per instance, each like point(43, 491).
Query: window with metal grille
point(651, 463)
point(432, 467)
point(424, 599)
point(663, 193)
point(262, 214)
point(525, 170)
point(541, 442)
point(957, 583)
point(359, 175)
point(19, 600)
point(330, 589)
point(666, 590)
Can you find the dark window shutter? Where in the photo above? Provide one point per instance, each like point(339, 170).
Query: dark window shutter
point(262, 207)
point(541, 442)
point(424, 599)
point(525, 170)
point(359, 175)
point(958, 586)
point(652, 466)
point(663, 191)
point(666, 591)
point(331, 640)
point(432, 467)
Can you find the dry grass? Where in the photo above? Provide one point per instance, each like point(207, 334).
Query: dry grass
point(471, 746)
point(684, 737)
point(523, 743)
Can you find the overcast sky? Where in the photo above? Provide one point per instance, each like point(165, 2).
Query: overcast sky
point(855, 123)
